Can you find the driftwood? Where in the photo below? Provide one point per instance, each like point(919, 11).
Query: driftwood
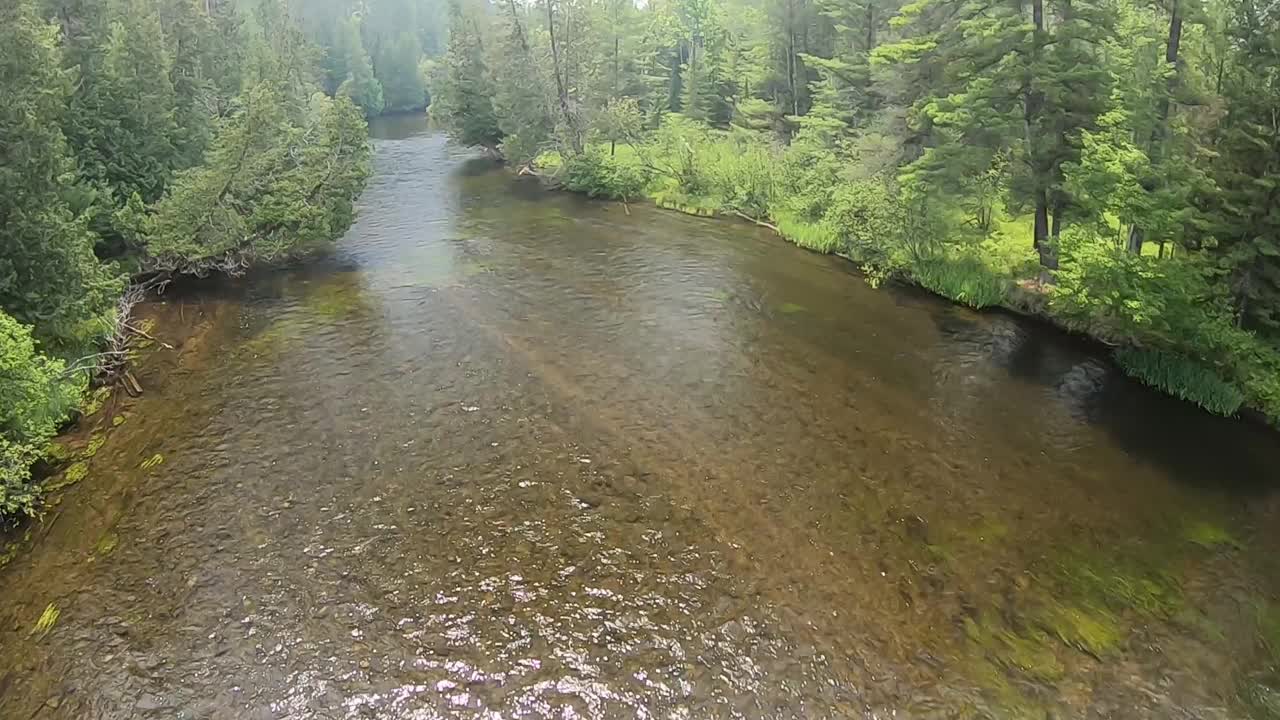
point(761, 223)
point(110, 364)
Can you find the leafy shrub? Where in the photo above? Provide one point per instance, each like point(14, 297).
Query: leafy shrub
point(739, 173)
point(1182, 377)
point(17, 495)
point(1134, 297)
point(598, 174)
point(869, 220)
point(808, 176)
point(673, 152)
point(35, 399)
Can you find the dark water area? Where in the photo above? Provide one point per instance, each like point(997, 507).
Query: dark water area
point(512, 453)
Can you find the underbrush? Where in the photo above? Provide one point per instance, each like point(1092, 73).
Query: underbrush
point(36, 397)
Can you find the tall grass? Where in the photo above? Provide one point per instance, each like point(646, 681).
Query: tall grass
point(810, 235)
point(1182, 377)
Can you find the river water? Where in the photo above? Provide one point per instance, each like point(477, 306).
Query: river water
point(512, 453)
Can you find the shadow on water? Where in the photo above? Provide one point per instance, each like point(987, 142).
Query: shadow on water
point(1227, 455)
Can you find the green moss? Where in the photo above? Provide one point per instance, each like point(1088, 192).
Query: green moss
point(153, 461)
point(47, 620)
point(95, 444)
point(1089, 630)
point(107, 543)
point(1000, 694)
point(1209, 536)
point(790, 308)
point(119, 420)
point(335, 297)
point(74, 473)
point(1030, 652)
point(273, 339)
point(56, 452)
point(95, 401)
point(986, 530)
point(1119, 584)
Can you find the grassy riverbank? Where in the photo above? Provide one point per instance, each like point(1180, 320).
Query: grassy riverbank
point(1159, 314)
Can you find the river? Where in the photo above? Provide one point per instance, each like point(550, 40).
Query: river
point(513, 453)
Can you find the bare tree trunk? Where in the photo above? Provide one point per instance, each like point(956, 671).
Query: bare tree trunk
point(871, 27)
point(1161, 129)
point(575, 140)
point(1033, 107)
point(515, 20)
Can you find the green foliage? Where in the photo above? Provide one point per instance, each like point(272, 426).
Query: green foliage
point(462, 91)
point(49, 276)
point(358, 82)
point(397, 68)
point(35, 398)
point(597, 174)
point(123, 125)
point(280, 181)
point(1182, 377)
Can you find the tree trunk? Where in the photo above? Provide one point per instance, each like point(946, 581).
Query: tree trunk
point(515, 20)
point(1033, 107)
point(1136, 239)
point(1043, 241)
point(575, 140)
point(871, 27)
point(1161, 129)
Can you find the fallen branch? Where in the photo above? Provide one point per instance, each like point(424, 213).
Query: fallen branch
point(139, 331)
point(761, 223)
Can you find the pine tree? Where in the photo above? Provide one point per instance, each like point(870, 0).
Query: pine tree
point(1246, 212)
point(359, 84)
point(397, 68)
point(49, 276)
point(522, 96)
point(463, 94)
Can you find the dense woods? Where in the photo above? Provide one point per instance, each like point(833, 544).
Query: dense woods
point(143, 140)
point(1110, 163)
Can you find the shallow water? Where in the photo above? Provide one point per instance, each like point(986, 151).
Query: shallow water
point(511, 453)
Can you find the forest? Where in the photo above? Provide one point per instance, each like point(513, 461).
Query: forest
point(1113, 165)
point(143, 141)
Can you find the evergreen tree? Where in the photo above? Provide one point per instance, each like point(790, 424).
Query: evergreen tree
point(397, 68)
point(1246, 212)
point(522, 97)
point(49, 276)
point(359, 83)
point(463, 93)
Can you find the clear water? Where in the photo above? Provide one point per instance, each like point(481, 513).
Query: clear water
point(511, 453)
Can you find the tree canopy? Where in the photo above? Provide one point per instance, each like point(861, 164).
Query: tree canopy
point(144, 137)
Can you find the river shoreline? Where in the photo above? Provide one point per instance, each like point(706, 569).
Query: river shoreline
point(1026, 300)
point(175, 327)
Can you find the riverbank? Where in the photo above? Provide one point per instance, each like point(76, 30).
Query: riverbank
point(172, 334)
point(1158, 334)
